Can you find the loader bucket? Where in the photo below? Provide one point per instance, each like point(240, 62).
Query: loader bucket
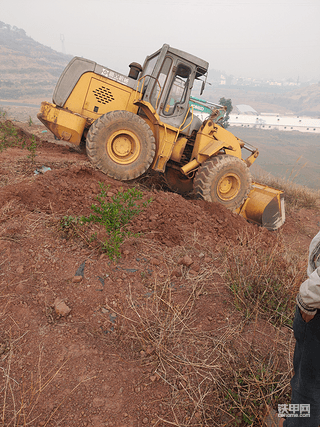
point(264, 206)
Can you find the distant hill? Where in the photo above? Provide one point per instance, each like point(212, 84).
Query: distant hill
point(28, 69)
point(304, 101)
point(294, 156)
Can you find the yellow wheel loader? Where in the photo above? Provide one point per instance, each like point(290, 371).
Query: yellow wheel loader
point(129, 124)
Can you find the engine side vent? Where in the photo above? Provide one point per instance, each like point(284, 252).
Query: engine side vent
point(103, 95)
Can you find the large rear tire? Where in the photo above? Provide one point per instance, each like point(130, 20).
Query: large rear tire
point(121, 144)
point(224, 179)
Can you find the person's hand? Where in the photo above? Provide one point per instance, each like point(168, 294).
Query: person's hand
point(306, 317)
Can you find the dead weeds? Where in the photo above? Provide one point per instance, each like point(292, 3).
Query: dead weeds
point(220, 377)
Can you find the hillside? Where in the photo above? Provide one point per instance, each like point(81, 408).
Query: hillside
point(28, 69)
point(303, 101)
point(293, 156)
point(190, 326)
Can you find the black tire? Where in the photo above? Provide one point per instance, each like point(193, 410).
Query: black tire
point(224, 179)
point(178, 182)
point(121, 145)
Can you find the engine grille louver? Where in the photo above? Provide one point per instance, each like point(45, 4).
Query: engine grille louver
point(103, 95)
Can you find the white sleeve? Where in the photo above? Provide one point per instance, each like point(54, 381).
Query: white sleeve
point(309, 297)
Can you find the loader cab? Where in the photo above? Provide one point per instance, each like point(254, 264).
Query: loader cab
point(167, 79)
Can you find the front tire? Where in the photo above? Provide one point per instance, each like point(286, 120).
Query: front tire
point(223, 179)
point(121, 144)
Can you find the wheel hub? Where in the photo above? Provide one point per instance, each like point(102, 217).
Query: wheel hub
point(123, 147)
point(228, 186)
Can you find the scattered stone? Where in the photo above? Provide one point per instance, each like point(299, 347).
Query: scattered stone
point(101, 280)
point(176, 272)
point(61, 307)
point(196, 267)
point(210, 318)
point(207, 259)
point(80, 270)
point(110, 194)
point(20, 269)
point(20, 288)
point(145, 421)
point(186, 260)
point(153, 378)
point(193, 273)
point(77, 279)
point(155, 261)
point(201, 255)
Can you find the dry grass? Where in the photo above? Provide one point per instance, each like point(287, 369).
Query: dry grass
point(214, 381)
point(219, 377)
point(296, 196)
point(20, 399)
point(264, 279)
point(24, 386)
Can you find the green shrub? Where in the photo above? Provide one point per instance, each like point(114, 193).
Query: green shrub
point(8, 135)
point(32, 148)
point(115, 216)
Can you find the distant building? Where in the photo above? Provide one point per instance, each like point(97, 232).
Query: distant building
point(245, 109)
point(275, 121)
point(246, 116)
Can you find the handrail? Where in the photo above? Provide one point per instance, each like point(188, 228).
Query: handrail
point(143, 78)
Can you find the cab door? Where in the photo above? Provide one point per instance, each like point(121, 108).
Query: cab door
point(174, 105)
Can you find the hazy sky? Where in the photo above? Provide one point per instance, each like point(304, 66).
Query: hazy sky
point(258, 38)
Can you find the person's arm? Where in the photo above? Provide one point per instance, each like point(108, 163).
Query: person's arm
point(308, 299)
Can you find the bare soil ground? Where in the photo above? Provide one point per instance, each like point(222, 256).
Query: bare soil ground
point(147, 340)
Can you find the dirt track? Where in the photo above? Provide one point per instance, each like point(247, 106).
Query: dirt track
point(92, 367)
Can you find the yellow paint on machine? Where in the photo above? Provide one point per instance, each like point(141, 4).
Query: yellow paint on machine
point(95, 95)
point(264, 206)
point(62, 123)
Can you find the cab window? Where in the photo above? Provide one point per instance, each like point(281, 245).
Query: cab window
point(148, 71)
point(162, 78)
point(178, 90)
